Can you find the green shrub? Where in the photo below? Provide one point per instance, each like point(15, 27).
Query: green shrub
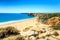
point(57, 27)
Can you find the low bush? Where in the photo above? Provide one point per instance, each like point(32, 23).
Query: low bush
point(56, 27)
point(5, 32)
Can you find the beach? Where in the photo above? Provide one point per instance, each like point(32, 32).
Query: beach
point(20, 24)
point(31, 24)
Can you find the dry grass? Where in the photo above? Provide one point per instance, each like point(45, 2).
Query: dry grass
point(17, 37)
point(8, 31)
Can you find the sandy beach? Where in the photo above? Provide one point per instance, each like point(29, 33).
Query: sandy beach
point(31, 23)
point(21, 24)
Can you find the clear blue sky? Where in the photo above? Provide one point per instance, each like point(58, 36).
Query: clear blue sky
point(19, 6)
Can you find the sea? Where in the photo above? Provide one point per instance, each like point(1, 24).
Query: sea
point(5, 17)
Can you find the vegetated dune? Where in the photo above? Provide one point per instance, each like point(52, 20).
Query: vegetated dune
point(32, 29)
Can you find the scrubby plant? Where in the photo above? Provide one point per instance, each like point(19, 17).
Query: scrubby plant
point(5, 32)
point(56, 27)
point(11, 30)
point(55, 34)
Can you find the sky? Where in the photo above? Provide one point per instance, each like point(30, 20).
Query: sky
point(29, 6)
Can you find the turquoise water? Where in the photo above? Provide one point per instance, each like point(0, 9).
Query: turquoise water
point(4, 17)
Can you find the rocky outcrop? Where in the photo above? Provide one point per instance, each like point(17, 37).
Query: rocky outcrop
point(53, 21)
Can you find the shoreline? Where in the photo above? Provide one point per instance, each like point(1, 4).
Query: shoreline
point(15, 21)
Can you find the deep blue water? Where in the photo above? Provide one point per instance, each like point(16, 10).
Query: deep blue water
point(13, 16)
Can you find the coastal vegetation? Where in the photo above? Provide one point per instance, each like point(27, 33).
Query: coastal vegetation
point(49, 18)
point(45, 16)
point(8, 31)
point(57, 27)
point(11, 33)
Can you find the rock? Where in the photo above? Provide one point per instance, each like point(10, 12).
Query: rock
point(55, 34)
point(33, 38)
point(20, 38)
point(53, 21)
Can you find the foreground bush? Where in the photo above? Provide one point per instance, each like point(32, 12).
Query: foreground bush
point(5, 32)
point(12, 31)
point(17, 37)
